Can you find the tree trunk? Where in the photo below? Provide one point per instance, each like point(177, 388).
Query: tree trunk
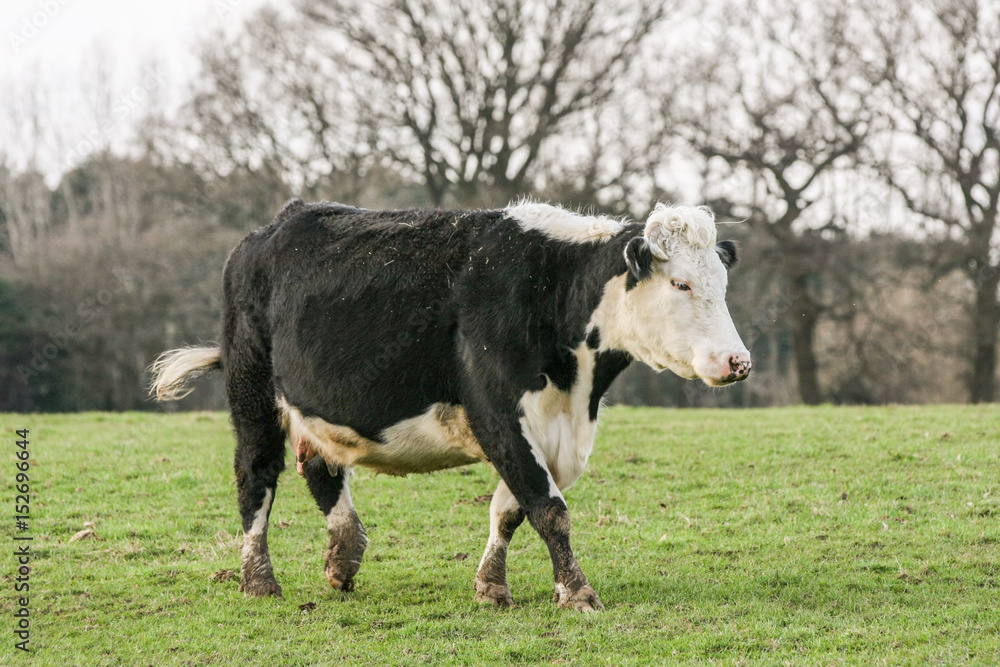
point(804, 315)
point(986, 322)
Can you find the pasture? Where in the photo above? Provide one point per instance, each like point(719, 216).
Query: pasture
point(774, 536)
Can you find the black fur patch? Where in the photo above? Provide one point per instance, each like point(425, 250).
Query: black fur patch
point(562, 372)
point(727, 252)
point(607, 367)
point(639, 259)
point(594, 338)
point(326, 487)
point(291, 207)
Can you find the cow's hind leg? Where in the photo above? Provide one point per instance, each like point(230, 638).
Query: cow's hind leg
point(260, 457)
point(491, 578)
point(259, 460)
point(329, 486)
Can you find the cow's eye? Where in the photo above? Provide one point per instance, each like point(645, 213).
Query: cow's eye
point(681, 285)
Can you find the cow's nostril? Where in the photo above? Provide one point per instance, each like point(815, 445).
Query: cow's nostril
point(739, 366)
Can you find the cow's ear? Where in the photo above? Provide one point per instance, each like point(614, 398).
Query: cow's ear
point(639, 259)
point(727, 253)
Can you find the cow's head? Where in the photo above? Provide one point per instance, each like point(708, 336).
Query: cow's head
point(670, 310)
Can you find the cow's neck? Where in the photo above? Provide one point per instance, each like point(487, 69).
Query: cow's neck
point(604, 261)
point(604, 285)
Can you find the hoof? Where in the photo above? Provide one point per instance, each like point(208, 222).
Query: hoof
point(258, 588)
point(343, 556)
point(584, 600)
point(494, 594)
point(338, 580)
point(341, 566)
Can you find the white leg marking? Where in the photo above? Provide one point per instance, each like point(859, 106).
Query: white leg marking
point(503, 502)
point(347, 540)
point(260, 518)
point(255, 558)
point(343, 511)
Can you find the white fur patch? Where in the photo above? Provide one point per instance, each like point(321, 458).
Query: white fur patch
point(260, 518)
point(671, 225)
point(437, 439)
point(557, 425)
point(502, 503)
point(254, 557)
point(631, 320)
point(343, 512)
point(689, 333)
point(562, 225)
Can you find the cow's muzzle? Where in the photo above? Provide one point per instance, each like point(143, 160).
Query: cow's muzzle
point(738, 366)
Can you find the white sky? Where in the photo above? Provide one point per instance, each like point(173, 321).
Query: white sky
point(53, 45)
point(67, 30)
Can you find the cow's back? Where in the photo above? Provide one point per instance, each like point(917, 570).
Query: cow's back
point(360, 309)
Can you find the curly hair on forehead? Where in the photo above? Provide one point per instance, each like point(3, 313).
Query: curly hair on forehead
point(670, 224)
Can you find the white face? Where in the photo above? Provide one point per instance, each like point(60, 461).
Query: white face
point(679, 319)
point(675, 315)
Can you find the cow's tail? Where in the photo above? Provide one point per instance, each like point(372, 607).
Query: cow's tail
point(174, 369)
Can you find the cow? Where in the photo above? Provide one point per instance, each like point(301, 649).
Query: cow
point(411, 341)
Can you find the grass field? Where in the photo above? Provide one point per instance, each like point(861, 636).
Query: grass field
point(782, 536)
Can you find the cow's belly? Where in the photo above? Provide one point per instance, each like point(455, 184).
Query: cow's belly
point(437, 439)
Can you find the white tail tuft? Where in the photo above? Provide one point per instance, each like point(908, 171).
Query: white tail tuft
point(174, 369)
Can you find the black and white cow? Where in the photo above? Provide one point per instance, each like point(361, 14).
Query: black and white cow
point(413, 341)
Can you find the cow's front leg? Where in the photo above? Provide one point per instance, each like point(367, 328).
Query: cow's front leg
point(491, 578)
point(551, 520)
point(348, 540)
point(521, 467)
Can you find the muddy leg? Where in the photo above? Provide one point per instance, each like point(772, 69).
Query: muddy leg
point(259, 460)
point(260, 448)
point(572, 588)
point(522, 468)
point(348, 540)
point(491, 578)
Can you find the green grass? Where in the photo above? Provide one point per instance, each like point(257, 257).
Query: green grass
point(781, 536)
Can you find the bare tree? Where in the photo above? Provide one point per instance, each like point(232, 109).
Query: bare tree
point(466, 94)
point(943, 77)
point(265, 118)
point(776, 110)
point(24, 197)
point(901, 343)
point(619, 159)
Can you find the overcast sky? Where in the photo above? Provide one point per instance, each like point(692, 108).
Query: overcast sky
point(58, 42)
point(57, 34)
